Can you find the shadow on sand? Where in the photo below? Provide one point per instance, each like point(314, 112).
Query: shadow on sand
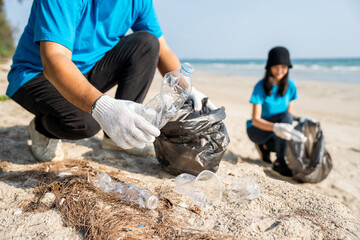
point(15, 148)
point(235, 159)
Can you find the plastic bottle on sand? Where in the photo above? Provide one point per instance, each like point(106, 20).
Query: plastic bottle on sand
point(126, 191)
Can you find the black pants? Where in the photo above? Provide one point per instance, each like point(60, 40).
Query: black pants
point(131, 64)
point(272, 142)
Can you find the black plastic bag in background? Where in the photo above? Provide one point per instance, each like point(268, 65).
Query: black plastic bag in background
point(310, 161)
point(192, 141)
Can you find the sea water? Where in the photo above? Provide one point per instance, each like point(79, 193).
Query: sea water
point(345, 70)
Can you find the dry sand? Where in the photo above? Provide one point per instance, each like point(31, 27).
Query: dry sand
point(284, 209)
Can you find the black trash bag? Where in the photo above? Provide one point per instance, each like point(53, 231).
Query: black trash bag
point(310, 161)
point(192, 141)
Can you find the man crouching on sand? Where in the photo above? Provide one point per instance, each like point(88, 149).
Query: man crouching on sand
point(70, 53)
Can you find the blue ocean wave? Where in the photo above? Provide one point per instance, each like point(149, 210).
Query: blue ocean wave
point(339, 70)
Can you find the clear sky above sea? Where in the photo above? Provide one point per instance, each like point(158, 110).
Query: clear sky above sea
point(239, 29)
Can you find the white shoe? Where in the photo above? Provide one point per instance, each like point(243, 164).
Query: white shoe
point(109, 144)
point(45, 149)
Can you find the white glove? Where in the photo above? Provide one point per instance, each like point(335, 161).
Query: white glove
point(120, 119)
point(283, 130)
point(197, 98)
point(286, 131)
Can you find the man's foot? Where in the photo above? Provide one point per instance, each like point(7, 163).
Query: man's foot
point(44, 149)
point(264, 154)
point(109, 144)
point(282, 168)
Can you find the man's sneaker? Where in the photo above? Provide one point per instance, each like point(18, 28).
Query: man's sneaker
point(264, 154)
point(45, 149)
point(109, 144)
point(282, 168)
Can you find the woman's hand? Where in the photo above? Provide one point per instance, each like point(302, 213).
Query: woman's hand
point(283, 130)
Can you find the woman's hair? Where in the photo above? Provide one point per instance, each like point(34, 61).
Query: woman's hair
point(276, 56)
point(268, 83)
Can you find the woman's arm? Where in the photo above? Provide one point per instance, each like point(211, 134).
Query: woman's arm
point(258, 121)
point(291, 109)
point(262, 123)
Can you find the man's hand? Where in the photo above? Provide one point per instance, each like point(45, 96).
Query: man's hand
point(197, 98)
point(121, 121)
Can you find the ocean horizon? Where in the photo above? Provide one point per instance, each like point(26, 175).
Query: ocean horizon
point(344, 70)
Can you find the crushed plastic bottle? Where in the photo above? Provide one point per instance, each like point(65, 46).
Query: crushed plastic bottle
point(126, 191)
point(175, 89)
point(205, 189)
point(243, 188)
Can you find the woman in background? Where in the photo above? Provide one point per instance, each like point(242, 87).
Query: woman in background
point(272, 113)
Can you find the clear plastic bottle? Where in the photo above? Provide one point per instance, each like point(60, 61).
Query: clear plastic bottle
point(126, 191)
point(175, 89)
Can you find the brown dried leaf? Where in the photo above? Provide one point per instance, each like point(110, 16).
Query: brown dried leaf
point(168, 203)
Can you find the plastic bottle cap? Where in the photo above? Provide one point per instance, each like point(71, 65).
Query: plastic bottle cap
point(186, 67)
point(152, 202)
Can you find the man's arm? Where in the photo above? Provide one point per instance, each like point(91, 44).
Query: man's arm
point(168, 61)
point(118, 118)
point(66, 77)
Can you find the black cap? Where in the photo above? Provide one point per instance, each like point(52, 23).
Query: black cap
point(278, 55)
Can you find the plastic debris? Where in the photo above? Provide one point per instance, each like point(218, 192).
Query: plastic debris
point(48, 199)
point(62, 201)
point(175, 89)
point(243, 188)
point(126, 191)
point(205, 189)
point(64, 174)
point(17, 212)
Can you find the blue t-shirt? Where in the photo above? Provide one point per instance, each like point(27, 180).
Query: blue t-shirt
point(274, 104)
point(89, 28)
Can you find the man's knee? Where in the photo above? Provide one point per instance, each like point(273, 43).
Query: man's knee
point(91, 127)
point(83, 126)
point(73, 127)
point(148, 42)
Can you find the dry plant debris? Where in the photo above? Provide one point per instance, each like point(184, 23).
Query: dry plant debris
point(97, 214)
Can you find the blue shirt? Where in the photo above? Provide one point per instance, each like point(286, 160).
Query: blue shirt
point(89, 28)
point(274, 104)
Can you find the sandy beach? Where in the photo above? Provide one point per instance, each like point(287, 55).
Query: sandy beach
point(285, 209)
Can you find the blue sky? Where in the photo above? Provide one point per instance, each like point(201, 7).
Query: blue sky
point(248, 29)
